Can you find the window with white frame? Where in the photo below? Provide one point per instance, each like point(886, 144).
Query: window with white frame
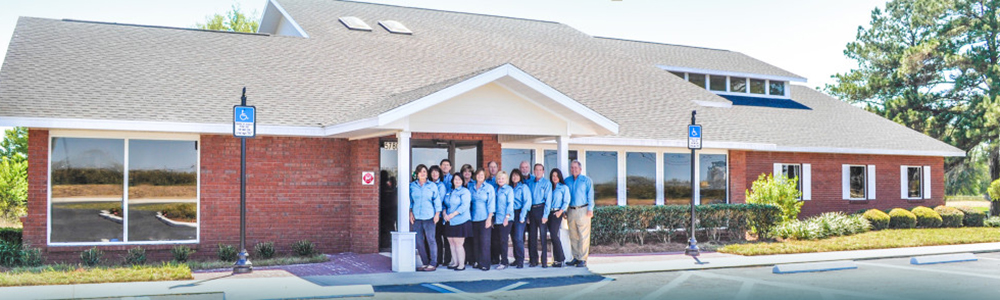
point(602, 168)
point(914, 182)
point(801, 174)
point(859, 182)
point(736, 85)
point(123, 190)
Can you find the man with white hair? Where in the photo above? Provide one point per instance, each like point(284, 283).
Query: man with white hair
point(526, 172)
point(581, 209)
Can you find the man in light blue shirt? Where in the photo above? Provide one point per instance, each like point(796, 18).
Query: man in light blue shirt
point(492, 168)
point(541, 200)
point(526, 172)
point(445, 166)
point(581, 210)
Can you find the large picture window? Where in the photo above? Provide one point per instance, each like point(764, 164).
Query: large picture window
point(713, 178)
point(676, 179)
point(511, 158)
point(90, 202)
point(602, 168)
point(552, 161)
point(640, 178)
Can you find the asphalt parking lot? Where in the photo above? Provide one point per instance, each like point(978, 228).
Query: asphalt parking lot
point(873, 279)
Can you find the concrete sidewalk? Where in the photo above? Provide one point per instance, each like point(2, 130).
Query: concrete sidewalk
point(679, 262)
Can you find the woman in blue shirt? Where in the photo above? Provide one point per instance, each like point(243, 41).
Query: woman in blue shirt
point(425, 204)
point(501, 222)
point(560, 202)
point(483, 206)
point(444, 253)
point(467, 171)
point(521, 205)
point(457, 214)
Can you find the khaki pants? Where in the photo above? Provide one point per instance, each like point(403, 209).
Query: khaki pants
point(579, 232)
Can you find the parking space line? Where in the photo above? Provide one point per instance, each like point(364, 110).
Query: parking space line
point(589, 289)
point(989, 258)
point(445, 289)
point(507, 288)
point(786, 285)
point(669, 286)
point(744, 292)
point(929, 269)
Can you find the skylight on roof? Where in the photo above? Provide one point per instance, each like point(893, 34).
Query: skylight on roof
point(354, 23)
point(395, 27)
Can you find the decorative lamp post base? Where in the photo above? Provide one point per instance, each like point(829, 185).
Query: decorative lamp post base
point(243, 265)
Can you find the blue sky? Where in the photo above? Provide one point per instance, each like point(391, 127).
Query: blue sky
point(804, 37)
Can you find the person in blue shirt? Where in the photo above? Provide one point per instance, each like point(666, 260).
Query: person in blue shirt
point(581, 210)
point(541, 198)
point(467, 171)
point(560, 201)
point(525, 169)
point(444, 253)
point(445, 166)
point(425, 204)
point(458, 215)
point(492, 168)
point(483, 206)
point(502, 220)
point(522, 204)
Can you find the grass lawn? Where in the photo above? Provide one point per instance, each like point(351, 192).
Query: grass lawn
point(891, 238)
point(277, 261)
point(71, 274)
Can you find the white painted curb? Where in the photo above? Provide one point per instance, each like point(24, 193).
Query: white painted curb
point(814, 267)
point(941, 259)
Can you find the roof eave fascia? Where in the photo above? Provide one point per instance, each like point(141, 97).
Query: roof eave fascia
point(605, 141)
point(731, 73)
point(155, 126)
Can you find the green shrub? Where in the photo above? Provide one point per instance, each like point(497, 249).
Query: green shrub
point(303, 248)
point(782, 193)
point(227, 252)
point(135, 256)
point(901, 219)
point(950, 216)
point(91, 257)
point(10, 235)
point(926, 217)
point(622, 224)
point(973, 217)
point(878, 219)
point(823, 226)
point(181, 253)
point(264, 250)
point(18, 255)
point(992, 222)
point(994, 191)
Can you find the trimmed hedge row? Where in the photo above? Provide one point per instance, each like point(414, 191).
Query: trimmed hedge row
point(622, 224)
point(924, 217)
point(10, 235)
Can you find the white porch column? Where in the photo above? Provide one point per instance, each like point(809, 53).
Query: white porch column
point(403, 241)
point(562, 150)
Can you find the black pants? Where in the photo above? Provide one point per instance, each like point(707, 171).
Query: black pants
point(481, 239)
point(517, 236)
point(553, 226)
point(534, 228)
point(499, 243)
point(444, 252)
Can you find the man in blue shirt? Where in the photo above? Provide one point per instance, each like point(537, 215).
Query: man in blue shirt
point(581, 210)
point(445, 166)
point(526, 172)
point(492, 168)
point(541, 199)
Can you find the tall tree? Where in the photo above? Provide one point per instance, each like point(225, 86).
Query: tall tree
point(978, 75)
point(233, 20)
point(15, 144)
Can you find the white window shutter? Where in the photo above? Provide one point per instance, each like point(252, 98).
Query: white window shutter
point(777, 171)
point(806, 182)
point(903, 182)
point(871, 182)
point(846, 183)
point(926, 180)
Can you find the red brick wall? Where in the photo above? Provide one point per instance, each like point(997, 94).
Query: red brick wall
point(364, 198)
point(826, 175)
point(38, 173)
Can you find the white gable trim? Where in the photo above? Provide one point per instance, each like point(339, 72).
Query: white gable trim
point(265, 22)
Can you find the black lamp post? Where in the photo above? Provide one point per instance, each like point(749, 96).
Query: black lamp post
point(692, 249)
point(243, 264)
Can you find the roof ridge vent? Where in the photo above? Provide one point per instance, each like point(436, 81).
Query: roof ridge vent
point(354, 23)
point(395, 27)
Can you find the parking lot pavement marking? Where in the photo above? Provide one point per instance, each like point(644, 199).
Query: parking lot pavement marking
point(929, 269)
point(669, 286)
point(794, 286)
point(589, 289)
point(506, 288)
point(744, 292)
point(445, 289)
point(989, 258)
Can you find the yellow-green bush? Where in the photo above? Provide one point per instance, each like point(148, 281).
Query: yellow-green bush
point(926, 217)
point(950, 216)
point(901, 218)
point(973, 217)
point(879, 219)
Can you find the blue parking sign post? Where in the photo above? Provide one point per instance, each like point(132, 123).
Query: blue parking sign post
point(694, 135)
point(244, 127)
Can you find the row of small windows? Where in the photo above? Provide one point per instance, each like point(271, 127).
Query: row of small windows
point(731, 84)
point(859, 181)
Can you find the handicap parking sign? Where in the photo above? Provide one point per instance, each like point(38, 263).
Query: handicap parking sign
point(244, 121)
point(694, 136)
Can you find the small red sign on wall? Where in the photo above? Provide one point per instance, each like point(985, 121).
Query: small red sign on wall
point(367, 178)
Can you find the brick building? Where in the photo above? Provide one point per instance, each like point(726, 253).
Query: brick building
point(131, 142)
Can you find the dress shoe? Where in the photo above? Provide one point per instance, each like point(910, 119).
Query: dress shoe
point(582, 264)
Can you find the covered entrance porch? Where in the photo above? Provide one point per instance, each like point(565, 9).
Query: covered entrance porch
point(464, 122)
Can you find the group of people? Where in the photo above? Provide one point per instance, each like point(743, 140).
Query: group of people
point(468, 218)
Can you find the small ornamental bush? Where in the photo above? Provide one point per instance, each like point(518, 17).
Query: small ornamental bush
point(901, 219)
point(994, 191)
point(992, 222)
point(780, 192)
point(303, 248)
point(973, 217)
point(91, 257)
point(135, 256)
point(181, 253)
point(264, 250)
point(926, 217)
point(878, 219)
point(950, 216)
point(227, 253)
point(823, 226)
point(10, 235)
point(18, 255)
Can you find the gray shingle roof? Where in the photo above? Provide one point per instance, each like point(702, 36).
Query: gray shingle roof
point(64, 69)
